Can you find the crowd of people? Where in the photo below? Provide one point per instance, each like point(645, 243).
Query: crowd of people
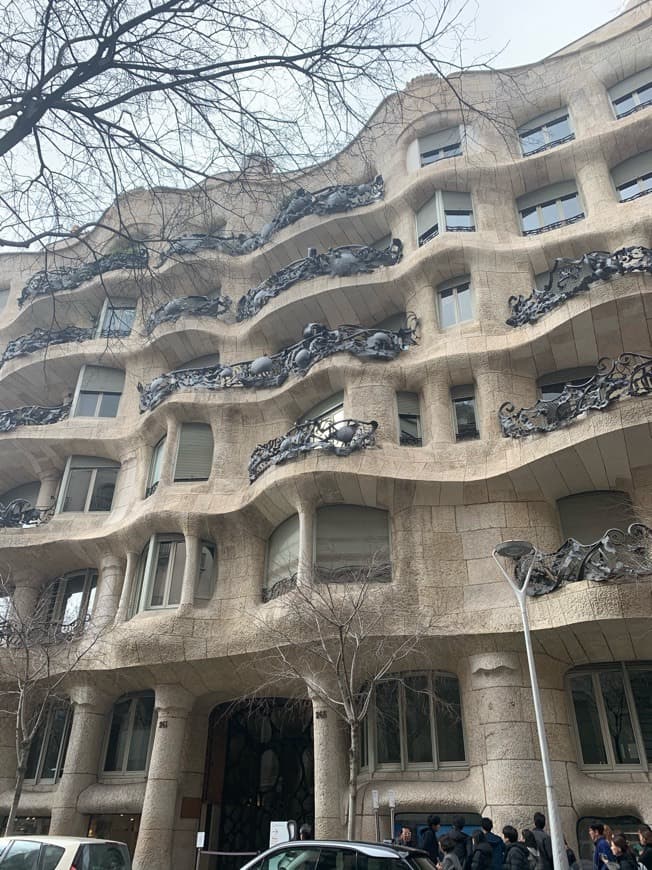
point(531, 850)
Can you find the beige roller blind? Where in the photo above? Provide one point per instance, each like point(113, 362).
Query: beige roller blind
point(408, 403)
point(441, 139)
point(456, 201)
point(427, 216)
point(546, 194)
point(99, 379)
point(540, 120)
point(195, 452)
point(633, 168)
point(351, 536)
point(283, 551)
point(633, 83)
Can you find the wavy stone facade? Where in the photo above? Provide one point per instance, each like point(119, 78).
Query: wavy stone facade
point(99, 489)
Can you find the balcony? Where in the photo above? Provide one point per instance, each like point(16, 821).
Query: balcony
point(40, 339)
point(325, 436)
point(628, 375)
point(570, 277)
point(21, 514)
point(32, 415)
point(300, 203)
point(265, 372)
point(187, 306)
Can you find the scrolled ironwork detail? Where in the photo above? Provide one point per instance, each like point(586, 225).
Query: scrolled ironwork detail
point(618, 554)
point(20, 513)
point(187, 306)
point(42, 338)
point(281, 587)
point(318, 342)
point(336, 262)
point(329, 200)
point(49, 281)
point(339, 438)
point(570, 277)
point(32, 415)
point(628, 375)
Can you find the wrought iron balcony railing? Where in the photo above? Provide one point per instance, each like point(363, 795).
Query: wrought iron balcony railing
point(21, 514)
point(42, 338)
point(49, 281)
point(324, 436)
point(628, 375)
point(300, 203)
point(569, 277)
point(281, 587)
point(337, 262)
point(187, 306)
point(555, 225)
point(32, 415)
point(616, 555)
point(318, 343)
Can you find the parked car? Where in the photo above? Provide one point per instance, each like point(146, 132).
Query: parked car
point(339, 855)
point(22, 852)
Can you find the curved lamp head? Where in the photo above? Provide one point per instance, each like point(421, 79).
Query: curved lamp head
point(514, 549)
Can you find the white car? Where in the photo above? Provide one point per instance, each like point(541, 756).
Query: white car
point(338, 855)
point(19, 852)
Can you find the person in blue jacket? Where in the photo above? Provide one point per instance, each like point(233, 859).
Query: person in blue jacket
point(602, 852)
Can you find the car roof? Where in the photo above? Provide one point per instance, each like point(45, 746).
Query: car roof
point(376, 850)
point(63, 841)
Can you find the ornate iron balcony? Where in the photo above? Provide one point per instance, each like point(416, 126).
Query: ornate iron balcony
point(328, 200)
point(337, 262)
point(629, 375)
point(616, 555)
point(325, 436)
point(20, 514)
point(32, 415)
point(42, 338)
point(570, 277)
point(281, 587)
point(50, 281)
point(318, 343)
point(187, 306)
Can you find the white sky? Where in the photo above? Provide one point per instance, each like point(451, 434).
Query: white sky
point(534, 29)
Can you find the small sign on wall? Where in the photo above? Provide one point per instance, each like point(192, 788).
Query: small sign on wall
point(278, 833)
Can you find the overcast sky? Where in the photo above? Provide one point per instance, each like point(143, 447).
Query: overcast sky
point(533, 30)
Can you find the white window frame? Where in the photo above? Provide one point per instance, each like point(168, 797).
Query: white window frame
point(80, 391)
point(111, 305)
point(63, 747)
point(594, 672)
point(370, 727)
point(57, 590)
point(630, 88)
point(443, 203)
point(457, 285)
point(123, 773)
point(547, 197)
point(633, 173)
point(462, 394)
point(155, 464)
point(63, 491)
point(142, 592)
point(414, 418)
point(542, 124)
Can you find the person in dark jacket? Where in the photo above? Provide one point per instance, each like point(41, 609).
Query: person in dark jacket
point(543, 841)
point(429, 842)
point(482, 854)
point(624, 856)
point(645, 839)
point(516, 854)
point(602, 852)
point(461, 840)
point(497, 845)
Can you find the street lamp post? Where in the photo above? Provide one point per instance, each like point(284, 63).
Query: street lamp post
point(518, 550)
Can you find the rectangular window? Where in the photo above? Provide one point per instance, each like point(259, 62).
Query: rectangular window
point(417, 719)
point(459, 221)
point(455, 304)
point(464, 416)
point(641, 684)
point(48, 750)
point(632, 94)
point(448, 715)
point(440, 146)
point(588, 720)
point(160, 573)
point(117, 318)
point(155, 467)
point(623, 742)
point(129, 737)
point(388, 731)
point(541, 135)
point(428, 221)
point(409, 419)
point(87, 486)
point(70, 601)
point(98, 392)
point(194, 452)
point(206, 577)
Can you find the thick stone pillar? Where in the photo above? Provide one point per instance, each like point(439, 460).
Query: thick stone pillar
point(122, 613)
point(190, 572)
point(81, 766)
point(377, 402)
point(109, 585)
point(157, 822)
point(48, 491)
point(170, 451)
point(330, 772)
point(306, 513)
point(437, 410)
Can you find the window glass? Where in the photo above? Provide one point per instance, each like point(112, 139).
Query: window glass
point(388, 736)
point(103, 489)
point(78, 482)
point(588, 720)
point(464, 303)
point(559, 129)
point(142, 726)
point(351, 536)
point(86, 404)
point(447, 308)
point(129, 734)
point(465, 419)
point(22, 855)
point(570, 206)
point(176, 573)
point(448, 715)
point(417, 718)
point(624, 104)
point(50, 856)
point(529, 220)
point(155, 467)
point(645, 94)
point(160, 574)
point(206, 577)
point(72, 599)
point(109, 405)
point(533, 140)
point(456, 220)
point(549, 213)
point(117, 321)
point(118, 736)
point(102, 856)
point(618, 719)
point(54, 757)
point(641, 683)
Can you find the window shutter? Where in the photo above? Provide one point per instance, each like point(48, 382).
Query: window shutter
point(633, 168)
point(102, 380)
point(633, 83)
point(546, 194)
point(283, 551)
point(427, 216)
point(408, 403)
point(439, 140)
point(546, 118)
point(351, 536)
point(92, 462)
point(466, 391)
point(195, 452)
point(455, 201)
point(454, 283)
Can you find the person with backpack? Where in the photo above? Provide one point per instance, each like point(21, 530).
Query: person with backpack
point(516, 854)
point(543, 843)
point(482, 853)
point(428, 840)
point(497, 845)
point(462, 841)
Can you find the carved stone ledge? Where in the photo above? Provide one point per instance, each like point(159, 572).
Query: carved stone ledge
point(336, 262)
point(339, 439)
point(32, 415)
point(318, 343)
point(629, 375)
point(187, 306)
point(570, 277)
point(329, 200)
point(50, 281)
point(20, 514)
point(42, 338)
point(617, 555)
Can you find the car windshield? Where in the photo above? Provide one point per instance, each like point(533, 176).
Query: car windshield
point(419, 862)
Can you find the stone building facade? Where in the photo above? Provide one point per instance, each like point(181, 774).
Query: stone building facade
point(458, 408)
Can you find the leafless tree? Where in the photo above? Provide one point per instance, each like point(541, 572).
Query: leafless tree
point(38, 656)
point(336, 641)
point(97, 99)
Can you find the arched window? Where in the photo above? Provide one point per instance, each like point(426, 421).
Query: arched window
point(282, 558)
point(129, 737)
point(352, 543)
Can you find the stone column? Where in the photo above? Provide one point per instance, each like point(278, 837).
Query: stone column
point(306, 513)
point(374, 402)
point(170, 451)
point(330, 772)
point(48, 491)
point(157, 822)
point(111, 574)
point(82, 762)
point(122, 613)
point(437, 410)
point(190, 572)
point(26, 595)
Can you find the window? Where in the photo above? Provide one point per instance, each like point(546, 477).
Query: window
point(282, 558)
point(331, 410)
point(545, 132)
point(88, 484)
point(409, 419)
point(117, 318)
point(613, 715)
point(415, 720)
point(159, 577)
point(448, 211)
point(632, 94)
point(352, 543)
point(550, 207)
point(194, 452)
point(48, 750)
point(69, 601)
point(464, 416)
point(98, 392)
point(206, 576)
point(439, 146)
point(586, 516)
point(551, 386)
point(454, 300)
point(156, 464)
point(633, 177)
point(129, 737)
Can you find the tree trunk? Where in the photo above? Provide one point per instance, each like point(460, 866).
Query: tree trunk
point(18, 790)
point(354, 732)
